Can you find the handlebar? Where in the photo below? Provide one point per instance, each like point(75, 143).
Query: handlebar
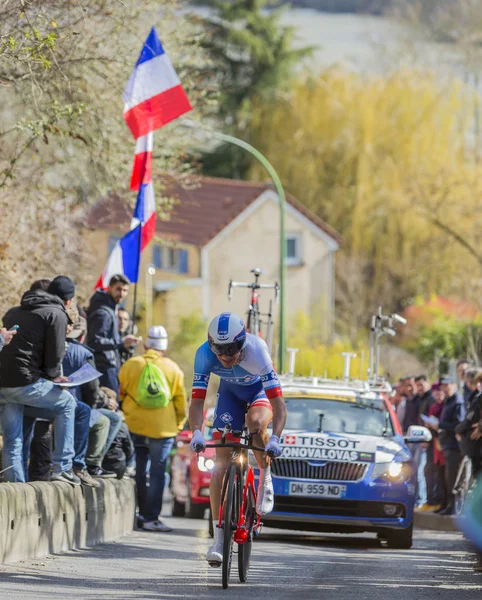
point(199, 448)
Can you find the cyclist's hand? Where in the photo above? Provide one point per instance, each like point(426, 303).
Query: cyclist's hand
point(272, 447)
point(198, 443)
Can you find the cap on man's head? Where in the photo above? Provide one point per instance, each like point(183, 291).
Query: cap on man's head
point(447, 379)
point(80, 327)
point(63, 287)
point(157, 338)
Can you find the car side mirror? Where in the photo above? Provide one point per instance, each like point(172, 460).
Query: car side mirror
point(417, 434)
point(184, 437)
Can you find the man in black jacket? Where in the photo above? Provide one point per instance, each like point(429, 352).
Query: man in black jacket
point(29, 369)
point(103, 330)
point(453, 413)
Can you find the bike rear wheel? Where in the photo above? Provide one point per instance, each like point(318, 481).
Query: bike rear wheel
point(244, 550)
point(231, 508)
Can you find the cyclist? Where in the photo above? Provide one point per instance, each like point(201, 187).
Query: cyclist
point(249, 389)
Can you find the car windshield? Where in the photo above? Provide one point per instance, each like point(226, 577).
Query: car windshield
point(336, 416)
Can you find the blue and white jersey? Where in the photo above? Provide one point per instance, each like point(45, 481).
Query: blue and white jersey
point(255, 365)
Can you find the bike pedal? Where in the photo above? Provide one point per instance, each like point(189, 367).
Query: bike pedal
point(214, 563)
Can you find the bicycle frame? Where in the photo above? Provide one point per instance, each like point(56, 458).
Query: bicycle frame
point(254, 313)
point(240, 455)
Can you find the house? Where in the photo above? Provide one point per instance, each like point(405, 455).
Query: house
point(220, 229)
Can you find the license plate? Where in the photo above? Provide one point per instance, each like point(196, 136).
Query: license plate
point(320, 490)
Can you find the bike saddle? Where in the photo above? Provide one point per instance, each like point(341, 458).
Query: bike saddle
point(257, 271)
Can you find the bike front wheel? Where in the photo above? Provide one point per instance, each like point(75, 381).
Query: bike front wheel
point(231, 509)
point(244, 550)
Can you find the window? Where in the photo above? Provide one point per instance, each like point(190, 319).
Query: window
point(183, 261)
point(113, 239)
point(293, 249)
point(170, 259)
point(157, 256)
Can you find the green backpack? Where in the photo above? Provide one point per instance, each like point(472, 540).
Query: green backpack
point(153, 389)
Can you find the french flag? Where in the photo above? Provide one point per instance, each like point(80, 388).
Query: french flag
point(142, 168)
point(153, 95)
point(125, 258)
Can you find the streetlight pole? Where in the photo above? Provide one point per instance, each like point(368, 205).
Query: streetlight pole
point(282, 203)
point(150, 271)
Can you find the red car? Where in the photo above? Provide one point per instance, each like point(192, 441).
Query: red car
point(191, 476)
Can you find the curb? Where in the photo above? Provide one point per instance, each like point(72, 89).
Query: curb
point(424, 520)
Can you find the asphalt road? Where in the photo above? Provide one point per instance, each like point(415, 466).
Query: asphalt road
point(285, 565)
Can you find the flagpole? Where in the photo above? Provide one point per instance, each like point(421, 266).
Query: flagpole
point(282, 204)
point(139, 250)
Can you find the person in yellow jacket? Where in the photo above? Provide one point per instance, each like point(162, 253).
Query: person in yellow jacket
point(153, 430)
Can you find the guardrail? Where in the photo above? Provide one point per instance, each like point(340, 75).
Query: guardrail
point(41, 518)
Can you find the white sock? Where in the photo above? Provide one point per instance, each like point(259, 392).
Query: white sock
point(218, 532)
point(266, 474)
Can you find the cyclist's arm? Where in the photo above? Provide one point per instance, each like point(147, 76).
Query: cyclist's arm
point(199, 391)
point(272, 388)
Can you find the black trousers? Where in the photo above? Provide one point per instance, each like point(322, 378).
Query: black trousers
point(452, 462)
point(40, 452)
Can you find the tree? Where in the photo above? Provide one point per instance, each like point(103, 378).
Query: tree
point(388, 163)
point(254, 59)
point(63, 142)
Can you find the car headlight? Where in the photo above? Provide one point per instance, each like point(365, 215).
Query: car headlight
point(393, 471)
point(205, 464)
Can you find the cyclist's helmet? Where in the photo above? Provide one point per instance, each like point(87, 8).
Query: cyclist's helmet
point(227, 334)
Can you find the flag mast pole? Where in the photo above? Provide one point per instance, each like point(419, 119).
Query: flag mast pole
point(139, 250)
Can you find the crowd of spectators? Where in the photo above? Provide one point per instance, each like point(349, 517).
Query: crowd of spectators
point(53, 431)
point(451, 409)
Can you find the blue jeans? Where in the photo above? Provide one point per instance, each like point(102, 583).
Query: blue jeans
point(81, 431)
point(149, 499)
point(115, 424)
point(420, 458)
point(45, 395)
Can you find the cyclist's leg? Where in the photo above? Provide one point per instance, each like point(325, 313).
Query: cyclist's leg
point(228, 411)
point(258, 418)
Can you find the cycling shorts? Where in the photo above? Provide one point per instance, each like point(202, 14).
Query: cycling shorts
point(233, 402)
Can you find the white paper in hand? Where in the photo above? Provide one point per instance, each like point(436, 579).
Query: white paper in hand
point(83, 375)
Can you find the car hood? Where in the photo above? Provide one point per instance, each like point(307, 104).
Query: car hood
point(339, 447)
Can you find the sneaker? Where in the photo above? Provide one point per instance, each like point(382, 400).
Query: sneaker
point(424, 507)
point(68, 476)
point(448, 512)
point(215, 554)
point(86, 479)
point(440, 509)
point(130, 472)
point(434, 507)
point(265, 499)
point(155, 526)
point(99, 472)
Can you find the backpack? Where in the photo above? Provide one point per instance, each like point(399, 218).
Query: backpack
point(153, 389)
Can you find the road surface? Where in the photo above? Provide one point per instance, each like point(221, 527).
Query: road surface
point(285, 565)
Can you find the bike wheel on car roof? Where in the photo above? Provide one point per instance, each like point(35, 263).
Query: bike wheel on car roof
point(244, 550)
point(231, 509)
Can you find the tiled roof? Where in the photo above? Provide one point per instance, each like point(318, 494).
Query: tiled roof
point(200, 211)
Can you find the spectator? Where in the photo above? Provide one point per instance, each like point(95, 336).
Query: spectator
point(29, 369)
point(102, 400)
point(411, 403)
point(6, 336)
point(153, 429)
point(399, 401)
point(441, 494)
point(126, 327)
point(423, 454)
point(120, 453)
point(103, 330)
point(468, 446)
point(453, 413)
point(462, 366)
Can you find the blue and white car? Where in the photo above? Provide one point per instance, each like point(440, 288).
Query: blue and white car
point(345, 466)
